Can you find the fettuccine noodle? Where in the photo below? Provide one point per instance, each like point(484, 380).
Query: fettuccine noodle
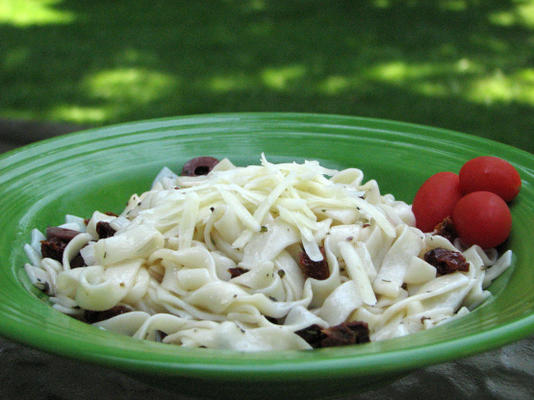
point(171, 257)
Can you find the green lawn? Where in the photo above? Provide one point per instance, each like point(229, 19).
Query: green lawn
point(463, 65)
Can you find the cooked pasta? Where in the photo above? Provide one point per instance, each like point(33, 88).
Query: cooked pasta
point(227, 260)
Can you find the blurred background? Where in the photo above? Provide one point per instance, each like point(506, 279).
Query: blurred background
point(465, 65)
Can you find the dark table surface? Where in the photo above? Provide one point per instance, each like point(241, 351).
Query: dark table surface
point(25, 373)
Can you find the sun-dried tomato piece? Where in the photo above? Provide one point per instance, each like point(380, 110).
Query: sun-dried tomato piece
point(236, 271)
point(346, 333)
point(446, 261)
point(60, 233)
point(446, 229)
point(104, 229)
point(56, 240)
point(314, 269)
point(53, 248)
point(96, 316)
point(312, 334)
point(77, 262)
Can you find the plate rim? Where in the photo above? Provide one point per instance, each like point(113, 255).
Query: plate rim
point(299, 370)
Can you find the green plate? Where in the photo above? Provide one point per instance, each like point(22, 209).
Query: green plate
point(99, 169)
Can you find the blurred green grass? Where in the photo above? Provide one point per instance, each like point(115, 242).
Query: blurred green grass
point(458, 64)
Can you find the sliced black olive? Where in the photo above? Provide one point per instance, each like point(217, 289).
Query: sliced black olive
point(199, 166)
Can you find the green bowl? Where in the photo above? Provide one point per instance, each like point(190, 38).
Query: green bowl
point(99, 169)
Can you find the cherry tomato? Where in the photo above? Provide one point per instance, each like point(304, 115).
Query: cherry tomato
point(435, 200)
point(492, 174)
point(482, 218)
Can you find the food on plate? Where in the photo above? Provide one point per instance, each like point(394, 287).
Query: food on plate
point(199, 166)
point(482, 218)
point(263, 257)
point(472, 205)
point(491, 174)
point(435, 200)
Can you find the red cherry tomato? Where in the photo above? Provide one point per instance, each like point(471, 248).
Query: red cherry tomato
point(482, 218)
point(435, 200)
point(490, 174)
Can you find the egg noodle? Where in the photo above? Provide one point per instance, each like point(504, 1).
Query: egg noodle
point(174, 247)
